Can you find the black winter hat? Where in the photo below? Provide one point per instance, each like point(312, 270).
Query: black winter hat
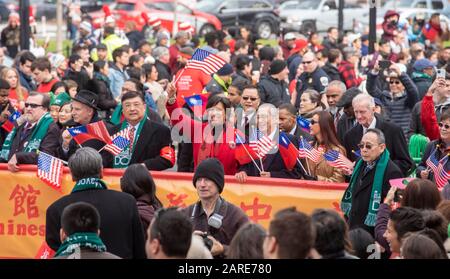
point(211, 168)
point(277, 66)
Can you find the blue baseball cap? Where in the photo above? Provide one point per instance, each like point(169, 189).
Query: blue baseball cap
point(422, 64)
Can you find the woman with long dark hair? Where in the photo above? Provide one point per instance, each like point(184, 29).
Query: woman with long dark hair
point(138, 182)
point(325, 139)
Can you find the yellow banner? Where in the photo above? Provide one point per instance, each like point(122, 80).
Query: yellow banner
point(24, 199)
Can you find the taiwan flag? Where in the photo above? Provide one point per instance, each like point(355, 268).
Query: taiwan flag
point(197, 103)
point(287, 151)
point(91, 131)
point(243, 153)
point(304, 124)
point(9, 124)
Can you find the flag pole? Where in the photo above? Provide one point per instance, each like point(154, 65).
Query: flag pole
point(248, 153)
point(178, 77)
point(301, 165)
point(306, 160)
point(262, 167)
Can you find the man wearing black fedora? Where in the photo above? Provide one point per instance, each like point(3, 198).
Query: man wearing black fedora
point(84, 111)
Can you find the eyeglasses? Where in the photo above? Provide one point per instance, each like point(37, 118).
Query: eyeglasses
point(32, 105)
point(251, 98)
point(368, 146)
point(446, 126)
point(394, 81)
point(307, 62)
point(313, 122)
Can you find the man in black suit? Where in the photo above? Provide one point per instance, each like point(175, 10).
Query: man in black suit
point(369, 184)
point(288, 122)
point(120, 229)
point(363, 106)
point(272, 165)
point(347, 115)
point(246, 114)
point(39, 132)
point(150, 142)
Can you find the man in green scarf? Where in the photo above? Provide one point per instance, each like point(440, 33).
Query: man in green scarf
point(39, 132)
point(80, 230)
point(369, 183)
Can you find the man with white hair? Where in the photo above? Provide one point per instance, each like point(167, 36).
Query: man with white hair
point(363, 107)
point(181, 38)
point(162, 58)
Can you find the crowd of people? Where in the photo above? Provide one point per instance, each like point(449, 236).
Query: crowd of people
point(386, 111)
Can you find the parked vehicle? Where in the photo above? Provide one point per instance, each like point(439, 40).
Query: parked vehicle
point(261, 15)
point(6, 6)
point(131, 10)
point(318, 15)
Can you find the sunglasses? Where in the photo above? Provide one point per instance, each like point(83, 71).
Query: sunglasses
point(313, 122)
point(394, 81)
point(446, 126)
point(251, 98)
point(307, 62)
point(32, 105)
point(368, 146)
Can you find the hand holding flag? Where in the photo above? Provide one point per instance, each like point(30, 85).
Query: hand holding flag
point(9, 123)
point(337, 160)
point(305, 150)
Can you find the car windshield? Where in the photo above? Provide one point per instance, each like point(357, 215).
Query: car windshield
point(125, 6)
point(208, 5)
point(308, 4)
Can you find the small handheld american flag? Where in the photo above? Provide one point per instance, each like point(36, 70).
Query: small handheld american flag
point(260, 143)
point(337, 160)
point(432, 162)
point(50, 169)
point(306, 150)
point(441, 176)
point(205, 61)
point(119, 143)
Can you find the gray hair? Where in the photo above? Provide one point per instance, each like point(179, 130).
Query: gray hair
point(160, 51)
point(86, 162)
point(339, 84)
point(364, 98)
point(380, 135)
point(181, 34)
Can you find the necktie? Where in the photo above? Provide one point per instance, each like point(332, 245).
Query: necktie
point(131, 137)
point(26, 131)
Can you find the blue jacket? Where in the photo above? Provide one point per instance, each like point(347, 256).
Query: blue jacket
point(117, 79)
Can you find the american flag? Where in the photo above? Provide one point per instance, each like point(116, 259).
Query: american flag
point(260, 143)
point(205, 61)
point(120, 142)
point(432, 162)
point(50, 169)
point(306, 150)
point(441, 175)
point(337, 160)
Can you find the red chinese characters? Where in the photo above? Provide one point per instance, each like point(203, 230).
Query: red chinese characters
point(255, 208)
point(176, 200)
point(25, 201)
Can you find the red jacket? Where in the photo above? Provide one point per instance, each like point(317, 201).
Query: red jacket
point(348, 74)
point(173, 52)
point(191, 82)
point(432, 32)
point(46, 87)
point(429, 119)
point(200, 138)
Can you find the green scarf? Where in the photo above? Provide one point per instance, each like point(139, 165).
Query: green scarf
point(39, 132)
point(420, 75)
point(80, 240)
point(222, 83)
point(375, 196)
point(88, 184)
point(123, 159)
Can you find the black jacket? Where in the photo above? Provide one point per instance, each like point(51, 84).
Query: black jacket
point(395, 143)
point(120, 226)
point(134, 37)
point(273, 91)
point(328, 44)
point(344, 125)
point(332, 72)
point(362, 192)
point(163, 71)
point(317, 80)
point(26, 81)
point(81, 77)
point(422, 83)
point(49, 144)
point(233, 219)
point(152, 139)
point(100, 86)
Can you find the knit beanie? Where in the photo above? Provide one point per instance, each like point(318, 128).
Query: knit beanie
point(277, 66)
point(212, 169)
point(226, 70)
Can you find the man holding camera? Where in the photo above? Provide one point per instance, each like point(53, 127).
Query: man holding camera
point(212, 217)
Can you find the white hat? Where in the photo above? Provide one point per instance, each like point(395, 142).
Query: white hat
point(289, 36)
point(109, 19)
point(353, 37)
point(56, 59)
point(86, 26)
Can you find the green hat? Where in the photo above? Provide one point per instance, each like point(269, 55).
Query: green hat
point(62, 99)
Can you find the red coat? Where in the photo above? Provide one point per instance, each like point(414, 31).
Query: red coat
point(191, 82)
point(46, 87)
point(429, 119)
point(173, 52)
point(201, 138)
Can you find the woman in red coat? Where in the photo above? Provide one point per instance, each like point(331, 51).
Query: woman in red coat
point(211, 138)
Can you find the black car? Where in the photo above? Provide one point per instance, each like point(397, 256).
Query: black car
point(259, 14)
